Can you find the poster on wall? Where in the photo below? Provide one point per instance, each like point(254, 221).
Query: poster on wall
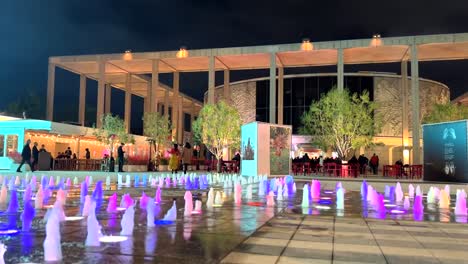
point(280, 145)
point(445, 152)
point(249, 149)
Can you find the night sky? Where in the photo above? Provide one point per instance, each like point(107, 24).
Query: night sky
point(31, 31)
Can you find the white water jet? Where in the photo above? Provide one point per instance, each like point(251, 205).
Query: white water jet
point(210, 199)
point(406, 203)
point(75, 181)
point(286, 191)
point(150, 213)
point(411, 191)
point(398, 193)
point(86, 206)
point(305, 196)
point(171, 214)
point(419, 191)
point(248, 194)
point(52, 246)
point(38, 202)
point(108, 182)
point(128, 221)
point(340, 199)
point(198, 207)
point(93, 228)
point(3, 249)
point(279, 196)
point(218, 199)
point(188, 203)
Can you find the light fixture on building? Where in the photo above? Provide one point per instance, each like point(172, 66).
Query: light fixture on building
point(306, 45)
point(128, 55)
point(182, 53)
point(376, 40)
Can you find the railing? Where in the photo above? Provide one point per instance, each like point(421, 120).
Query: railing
point(78, 164)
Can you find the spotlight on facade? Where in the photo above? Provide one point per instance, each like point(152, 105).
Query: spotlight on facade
point(182, 53)
point(306, 45)
point(128, 55)
point(376, 40)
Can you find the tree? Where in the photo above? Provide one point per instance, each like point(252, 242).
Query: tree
point(218, 127)
point(341, 121)
point(446, 112)
point(112, 132)
point(157, 128)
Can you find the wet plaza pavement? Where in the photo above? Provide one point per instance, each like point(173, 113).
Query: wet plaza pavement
point(253, 232)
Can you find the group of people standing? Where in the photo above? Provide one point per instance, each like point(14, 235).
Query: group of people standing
point(30, 156)
point(185, 156)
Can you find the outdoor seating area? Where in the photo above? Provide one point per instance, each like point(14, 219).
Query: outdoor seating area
point(77, 164)
point(328, 169)
point(355, 170)
point(403, 172)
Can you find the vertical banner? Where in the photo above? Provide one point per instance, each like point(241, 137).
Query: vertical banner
point(445, 152)
point(280, 147)
point(249, 149)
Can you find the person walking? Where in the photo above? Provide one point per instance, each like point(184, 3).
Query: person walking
point(374, 163)
point(187, 154)
point(120, 154)
point(35, 154)
point(26, 156)
point(174, 160)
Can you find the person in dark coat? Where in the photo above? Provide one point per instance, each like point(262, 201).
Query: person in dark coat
point(88, 154)
point(363, 161)
point(120, 154)
point(26, 156)
point(35, 154)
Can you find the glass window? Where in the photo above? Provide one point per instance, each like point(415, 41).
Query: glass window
point(287, 92)
point(187, 122)
point(2, 145)
point(12, 143)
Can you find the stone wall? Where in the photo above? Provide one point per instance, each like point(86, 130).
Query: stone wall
point(388, 95)
point(243, 98)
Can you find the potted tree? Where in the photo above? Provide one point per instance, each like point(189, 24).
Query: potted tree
point(112, 132)
point(158, 129)
point(218, 127)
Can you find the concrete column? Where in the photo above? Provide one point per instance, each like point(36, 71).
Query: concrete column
point(227, 88)
point(280, 95)
point(146, 103)
point(272, 118)
point(415, 105)
point(404, 105)
point(175, 103)
point(166, 104)
point(107, 108)
point(128, 101)
point(153, 101)
point(211, 80)
point(340, 70)
point(192, 117)
point(82, 102)
point(100, 94)
point(181, 129)
point(50, 92)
